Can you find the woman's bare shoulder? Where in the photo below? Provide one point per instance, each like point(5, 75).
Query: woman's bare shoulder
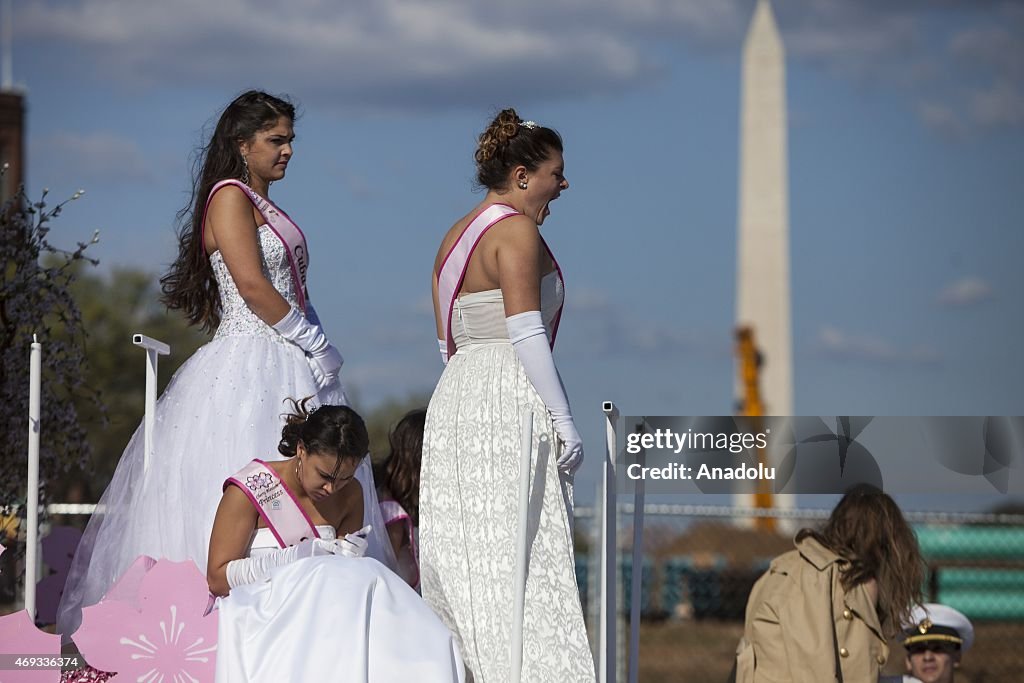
point(228, 198)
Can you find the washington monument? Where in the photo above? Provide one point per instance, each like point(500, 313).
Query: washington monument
point(762, 268)
point(762, 271)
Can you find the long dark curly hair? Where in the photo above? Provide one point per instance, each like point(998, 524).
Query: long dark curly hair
point(400, 471)
point(867, 529)
point(189, 284)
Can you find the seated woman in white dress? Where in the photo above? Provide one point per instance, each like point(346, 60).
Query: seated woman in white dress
point(298, 601)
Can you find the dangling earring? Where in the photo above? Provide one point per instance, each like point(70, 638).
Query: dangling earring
point(245, 170)
point(522, 184)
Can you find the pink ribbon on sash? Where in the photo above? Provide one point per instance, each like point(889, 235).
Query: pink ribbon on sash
point(393, 513)
point(281, 225)
point(453, 269)
point(276, 504)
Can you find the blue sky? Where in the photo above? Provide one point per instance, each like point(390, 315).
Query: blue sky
point(906, 146)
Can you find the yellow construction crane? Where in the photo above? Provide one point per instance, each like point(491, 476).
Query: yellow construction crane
point(751, 405)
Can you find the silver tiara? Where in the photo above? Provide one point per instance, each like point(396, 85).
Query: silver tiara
point(529, 124)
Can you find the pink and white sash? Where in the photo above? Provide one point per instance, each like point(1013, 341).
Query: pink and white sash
point(276, 504)
point(277, 220)
point(408, 564)
point(453, 269)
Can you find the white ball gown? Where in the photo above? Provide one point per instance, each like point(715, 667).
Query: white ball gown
point(468, 506)
point(331, 618)
point(221, 409)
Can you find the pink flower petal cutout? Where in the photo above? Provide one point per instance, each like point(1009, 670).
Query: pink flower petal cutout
point(18, 635)
point(150, 626)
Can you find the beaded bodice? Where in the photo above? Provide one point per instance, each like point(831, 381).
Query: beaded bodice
point(236, 318)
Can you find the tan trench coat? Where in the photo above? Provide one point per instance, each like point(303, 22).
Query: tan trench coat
point(800, 622)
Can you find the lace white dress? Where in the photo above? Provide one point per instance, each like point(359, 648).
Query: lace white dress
point(468, 506)
point(221, 409)
point(331, 618)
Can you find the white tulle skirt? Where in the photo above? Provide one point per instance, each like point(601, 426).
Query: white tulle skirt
point(222, 408)
point(333, 618)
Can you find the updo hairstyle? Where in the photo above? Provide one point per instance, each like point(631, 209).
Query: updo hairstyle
point(508, 143)
point(327, 430)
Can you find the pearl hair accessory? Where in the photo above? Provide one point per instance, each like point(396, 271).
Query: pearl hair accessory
point(529, 124)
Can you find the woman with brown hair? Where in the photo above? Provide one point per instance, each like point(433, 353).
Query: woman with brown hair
point(824, 611)
point(241, 273)
point(398, 489)
point(497, 299)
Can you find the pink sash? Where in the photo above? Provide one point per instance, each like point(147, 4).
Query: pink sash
point(453, 268)
point(276, 504)
point(277, 220)
point(408, 567)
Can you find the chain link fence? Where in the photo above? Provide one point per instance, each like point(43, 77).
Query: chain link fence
point(700, 564)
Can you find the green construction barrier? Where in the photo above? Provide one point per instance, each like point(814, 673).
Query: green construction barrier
point(978, 578)
point(971, 542)
point(978, 604)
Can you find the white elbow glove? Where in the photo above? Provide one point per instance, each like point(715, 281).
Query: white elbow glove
point(251, 569)
point(324, 359)
point(529, 339)
point(442, 346)
point(354, 544)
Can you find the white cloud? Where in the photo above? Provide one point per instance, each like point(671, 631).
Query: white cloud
point(941, 118)
point(965, 292)
point(388, 53)
point(994, 55)
point(409, 54)
point(1001, 104)
point(600, 327)
point(80, 158)
point(840, 345)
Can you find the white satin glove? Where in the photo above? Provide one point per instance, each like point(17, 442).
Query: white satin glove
point(530, 341)
point(251, 569)
point(442, 346)
point(324, 359)
point(354, 544)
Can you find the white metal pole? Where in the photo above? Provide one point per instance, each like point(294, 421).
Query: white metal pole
point(154, 349)
point(7, 38)
point(32, 514)
point(637, 575)
point(519, 594)
point(608, 612)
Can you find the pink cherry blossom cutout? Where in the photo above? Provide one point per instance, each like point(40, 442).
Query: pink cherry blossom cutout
point(150, 626)
point(18, 635)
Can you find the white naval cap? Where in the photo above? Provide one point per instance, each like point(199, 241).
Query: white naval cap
point(934, 622)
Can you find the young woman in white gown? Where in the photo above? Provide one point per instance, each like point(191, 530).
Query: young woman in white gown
point(240, 272)
point(497, 299)
point(302, 603)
